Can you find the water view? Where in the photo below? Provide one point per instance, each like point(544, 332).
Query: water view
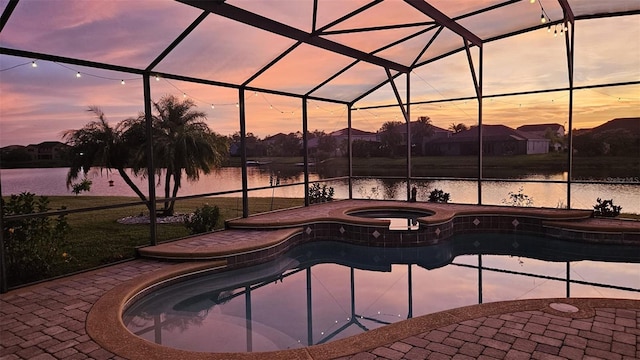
point(321, 292)
point(545, 193)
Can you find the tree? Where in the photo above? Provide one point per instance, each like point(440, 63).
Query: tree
point(183, 144)
point(253, 144)
point(99, 144)
point(456, 128)
point(421, 130)
point(327, 146)
point(390, 136)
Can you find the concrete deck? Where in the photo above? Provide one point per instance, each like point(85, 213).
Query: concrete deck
point(78, 317)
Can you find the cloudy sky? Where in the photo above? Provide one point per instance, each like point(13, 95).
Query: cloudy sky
point(39, 103)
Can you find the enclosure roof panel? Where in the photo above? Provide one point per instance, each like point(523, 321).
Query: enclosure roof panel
point(296, 47)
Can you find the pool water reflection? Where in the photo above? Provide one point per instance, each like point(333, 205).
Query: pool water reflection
point(324, 291)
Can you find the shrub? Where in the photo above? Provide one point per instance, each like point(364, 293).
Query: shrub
point(518, 199)
point(605, 208)
point(202, 220)
point(438, 196)
point(320, 194)
point(32, 245)
point(84, 185)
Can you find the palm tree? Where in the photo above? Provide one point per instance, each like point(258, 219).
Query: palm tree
point(99, 144)
point(456, 128)
point(421, 130)
point(182, 144)
point(390, 136)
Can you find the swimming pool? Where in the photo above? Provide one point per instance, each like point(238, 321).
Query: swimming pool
point(319, 292)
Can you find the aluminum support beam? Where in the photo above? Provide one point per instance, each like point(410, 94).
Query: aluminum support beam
point(445, 21)
point(397, 94)
point(261, 22)
point(148, 119)
point(305, 149)
point(243, 154)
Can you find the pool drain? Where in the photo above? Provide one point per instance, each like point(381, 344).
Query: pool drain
point(565, 308)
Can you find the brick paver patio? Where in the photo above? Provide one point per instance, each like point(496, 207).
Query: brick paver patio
point(49, 321)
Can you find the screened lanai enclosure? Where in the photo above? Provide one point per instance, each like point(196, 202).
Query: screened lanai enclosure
point(493, 102)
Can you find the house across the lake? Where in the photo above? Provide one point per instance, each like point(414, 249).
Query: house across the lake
point(497, 140)
point(44, 151)
point(554, 132)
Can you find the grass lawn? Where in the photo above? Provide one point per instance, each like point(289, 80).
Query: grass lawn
point(96, 238)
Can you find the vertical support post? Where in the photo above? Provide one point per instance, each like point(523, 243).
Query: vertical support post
point(157, 329)
point(153, 227)
point(568, 279)
point(243, 153)
point(350, 151)
point(410, 286)
point(248, 317)
point(480, 99)
point(477, 84)
point(569, 44)
point(479, 278)
point(353, 293)
point(407, 120)
point(309, 310)
point(305, 149)
point(408, 115)
point(3, 267)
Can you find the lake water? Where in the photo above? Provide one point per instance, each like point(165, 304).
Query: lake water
point(544, 192)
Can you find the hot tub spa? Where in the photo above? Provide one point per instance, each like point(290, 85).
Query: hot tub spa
point(400, 219)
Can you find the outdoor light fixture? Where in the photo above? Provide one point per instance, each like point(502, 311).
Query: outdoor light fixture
point(78, 74)
point(33, 64)
point(213, 107)
point(122, 82)
point(532, 1)
point(157, 78)
point(542, 18)
point(184, 95)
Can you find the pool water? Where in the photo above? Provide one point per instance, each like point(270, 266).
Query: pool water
point(401, 219)
point(324, 291)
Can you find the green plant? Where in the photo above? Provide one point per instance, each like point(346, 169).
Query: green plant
point(518, 199)
point(364, 193)
point(606, 208)
point(439, 196)
point(320, 194)
point(203, 219)
point(33, 245)
point(84, 185)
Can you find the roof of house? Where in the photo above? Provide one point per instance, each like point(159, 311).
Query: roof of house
point(343, 132)
point(491, 132)
point(540, 127)
point(630, 124)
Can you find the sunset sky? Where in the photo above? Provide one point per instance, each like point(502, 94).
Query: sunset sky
point(39, 103)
